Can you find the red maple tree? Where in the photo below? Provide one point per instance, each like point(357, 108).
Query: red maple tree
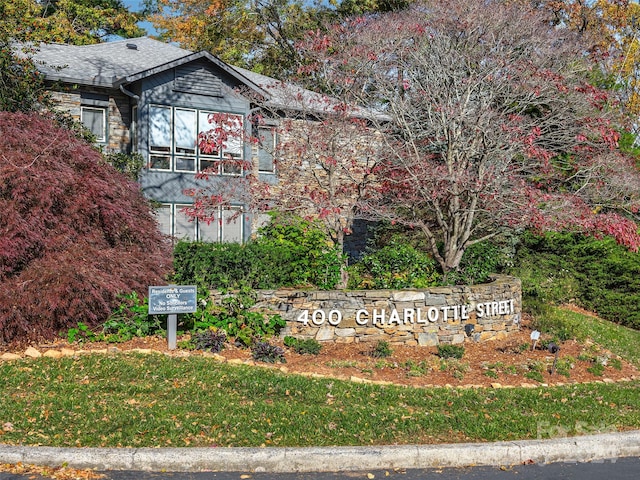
point(74, 232)
point(324, 162)
point(488, 122)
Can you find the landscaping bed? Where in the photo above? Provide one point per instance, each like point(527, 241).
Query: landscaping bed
point(511, 361)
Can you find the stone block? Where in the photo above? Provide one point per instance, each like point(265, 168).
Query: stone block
point(32, 353)
point(484, 336)
point(374, 338)
point(431, 300)
point(500, 335)
point(428, 339)
point(325, 333)
point(345, 332)
point(408, 296)
point(10, 356)
point(53, 354)
point(349, 322)
point(458, 338)
point(345, 340)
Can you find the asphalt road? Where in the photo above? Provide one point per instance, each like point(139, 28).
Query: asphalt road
point(614, 469)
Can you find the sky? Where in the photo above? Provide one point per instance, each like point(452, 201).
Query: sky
point(136, 6)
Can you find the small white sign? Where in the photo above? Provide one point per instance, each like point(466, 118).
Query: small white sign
point(535, 335)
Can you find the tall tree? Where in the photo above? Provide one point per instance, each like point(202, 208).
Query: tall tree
point(258, 34)
point(489, 123)
point(22, 87)
point(610, 31)
point(78, 22)
point(324, 160)
point(223, 27)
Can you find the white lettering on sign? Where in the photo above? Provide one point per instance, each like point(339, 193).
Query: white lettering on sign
point(408, 316)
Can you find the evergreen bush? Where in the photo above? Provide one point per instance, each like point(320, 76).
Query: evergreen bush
point(596, 274)
point(395, 265)
point(289, 252)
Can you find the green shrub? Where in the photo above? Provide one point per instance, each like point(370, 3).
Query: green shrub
point(450, 351)
point(395, 265)
point(596, 274)
point(301, 252)
point(381, 350)
point(288, 252)
point(398, 260)
point(81, 333)
point(559, 327)
point(479, 261)
point(130, 319)
point(232, 315)
point(596, 369)
point(131, 164)
point(308, 346)
point(455, 367)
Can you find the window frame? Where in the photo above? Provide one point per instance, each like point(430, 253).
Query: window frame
point(211, 163)
point(274, 143)
point(198, 231)
point(103, 110)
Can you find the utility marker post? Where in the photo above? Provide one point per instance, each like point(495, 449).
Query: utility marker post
point(172, 300)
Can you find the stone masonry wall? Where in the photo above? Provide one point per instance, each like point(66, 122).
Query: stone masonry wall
point(442, 315)
point(118, 116)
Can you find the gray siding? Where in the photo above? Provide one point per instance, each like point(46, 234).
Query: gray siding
point(197, 78)
point(168, 88)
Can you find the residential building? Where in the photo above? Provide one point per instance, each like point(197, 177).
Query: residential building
point(142, 95)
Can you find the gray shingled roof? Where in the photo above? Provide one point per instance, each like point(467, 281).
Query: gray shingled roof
point(104, 64)
point(116, 63)
point(113, 64)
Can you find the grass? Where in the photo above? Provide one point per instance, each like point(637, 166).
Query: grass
point(619, 340)
point(133, 400)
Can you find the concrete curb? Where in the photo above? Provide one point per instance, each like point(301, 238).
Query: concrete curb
point(332, 459)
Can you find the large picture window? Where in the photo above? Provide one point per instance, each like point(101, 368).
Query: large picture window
point(173, 141)
point(227, 226)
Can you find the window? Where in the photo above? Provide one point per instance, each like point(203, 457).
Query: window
point(266, 149)
point(173, 141)
point(95, 119)
point(231, 225)
point(227, 226)
point(134, 128)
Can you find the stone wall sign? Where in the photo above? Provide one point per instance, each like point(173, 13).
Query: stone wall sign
point(442, 315)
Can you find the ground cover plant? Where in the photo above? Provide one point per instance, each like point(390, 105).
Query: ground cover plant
point(163, 401)
point(232, 315)
point(581, 325)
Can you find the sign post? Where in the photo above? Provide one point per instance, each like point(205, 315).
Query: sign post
point(171, 300)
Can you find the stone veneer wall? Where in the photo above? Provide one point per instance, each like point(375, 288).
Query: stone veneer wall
point(118, 115)
point(410, 317)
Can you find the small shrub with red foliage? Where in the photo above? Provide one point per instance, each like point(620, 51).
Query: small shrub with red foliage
point(74, 232)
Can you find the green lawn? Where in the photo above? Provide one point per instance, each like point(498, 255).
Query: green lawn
point(133, 400)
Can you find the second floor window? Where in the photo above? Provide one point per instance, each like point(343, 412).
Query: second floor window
point(174, 141)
